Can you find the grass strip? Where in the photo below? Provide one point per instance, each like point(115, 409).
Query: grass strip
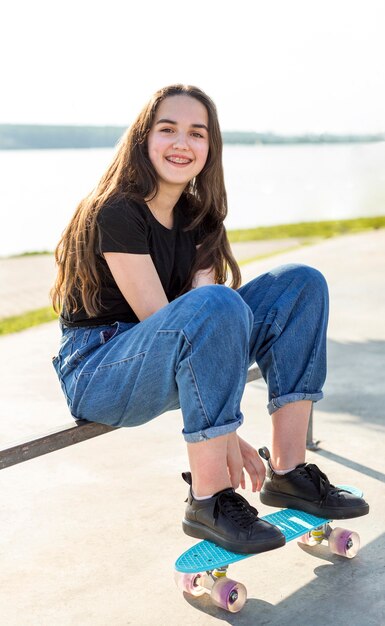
point(17, 323)
point(325, 229)
point(322, 229)
point(32, 318)
point(304, 230)
point(259, 257)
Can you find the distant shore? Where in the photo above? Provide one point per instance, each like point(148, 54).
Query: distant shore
point(49, 137)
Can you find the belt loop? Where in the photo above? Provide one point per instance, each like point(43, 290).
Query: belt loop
point(85, 337)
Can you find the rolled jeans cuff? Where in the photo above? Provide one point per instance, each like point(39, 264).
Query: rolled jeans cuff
point(213, 431)
point(278, 403)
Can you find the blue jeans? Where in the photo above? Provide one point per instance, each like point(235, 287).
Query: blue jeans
point(194, 354)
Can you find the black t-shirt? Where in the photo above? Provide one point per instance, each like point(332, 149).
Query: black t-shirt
point(129, 226)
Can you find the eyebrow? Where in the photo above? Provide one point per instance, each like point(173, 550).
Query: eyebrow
point(166, 121)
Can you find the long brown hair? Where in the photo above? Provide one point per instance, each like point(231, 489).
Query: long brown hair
point(132, 175)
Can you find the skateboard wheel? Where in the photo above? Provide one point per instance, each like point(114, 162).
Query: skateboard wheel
point(189, 583)
point(229, 594)
point(307, 539)
point(344, 542)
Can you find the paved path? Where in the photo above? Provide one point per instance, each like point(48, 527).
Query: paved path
point(25, 282)
point(89, 534)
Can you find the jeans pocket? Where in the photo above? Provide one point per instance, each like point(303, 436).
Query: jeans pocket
point(87, 340)
point(84, 345)
point(57, 364)
point(117, 328)
point(78, 356)
point(108, 394)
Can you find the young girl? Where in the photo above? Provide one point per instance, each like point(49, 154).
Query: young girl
point(148, 324)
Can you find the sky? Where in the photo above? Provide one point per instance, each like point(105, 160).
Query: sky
point(274, 65)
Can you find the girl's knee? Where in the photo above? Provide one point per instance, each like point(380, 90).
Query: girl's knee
point(315, 280)
point(226, 300)
point(224, 303)
point(306, 276)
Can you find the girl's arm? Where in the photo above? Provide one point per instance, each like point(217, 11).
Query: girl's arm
point(204, 277)
point(139, 282)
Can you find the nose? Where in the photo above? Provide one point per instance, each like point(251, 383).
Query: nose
point(181, 141)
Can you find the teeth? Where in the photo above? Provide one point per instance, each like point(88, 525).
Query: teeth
point(178, 160)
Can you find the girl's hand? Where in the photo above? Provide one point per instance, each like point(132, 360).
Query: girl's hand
point(234, 460)
point(242, 456)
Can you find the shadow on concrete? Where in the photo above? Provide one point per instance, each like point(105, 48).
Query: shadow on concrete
point(358, 467)
point(344, 592)
point(355, 383)
point(355, 388)
point(356, 380)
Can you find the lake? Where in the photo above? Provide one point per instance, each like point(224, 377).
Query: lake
point(266, 185)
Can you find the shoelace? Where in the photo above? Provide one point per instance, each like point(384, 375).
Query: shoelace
point(235, 507)
point(320, 480)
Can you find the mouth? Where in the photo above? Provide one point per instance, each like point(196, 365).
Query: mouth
point(178, 160)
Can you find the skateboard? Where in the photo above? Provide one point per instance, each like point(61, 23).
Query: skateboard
point(203, 567)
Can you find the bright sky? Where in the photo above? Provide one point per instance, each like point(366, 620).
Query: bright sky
point(279, 65)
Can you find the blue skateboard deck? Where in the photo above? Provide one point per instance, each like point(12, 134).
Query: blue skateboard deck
point(205, 555)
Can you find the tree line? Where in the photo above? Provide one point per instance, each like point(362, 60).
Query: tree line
point(38, 137)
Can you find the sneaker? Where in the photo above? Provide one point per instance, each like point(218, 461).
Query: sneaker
point(308, 489)
point(228, 520)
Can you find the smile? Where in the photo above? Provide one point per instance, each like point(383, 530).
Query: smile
point(178, 160)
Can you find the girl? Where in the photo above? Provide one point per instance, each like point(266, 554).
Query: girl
point(148, 324)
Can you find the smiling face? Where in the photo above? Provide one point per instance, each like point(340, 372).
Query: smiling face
point(178, 142)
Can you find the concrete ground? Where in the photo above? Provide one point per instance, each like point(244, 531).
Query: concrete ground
point(25, 281)
point(89, 534)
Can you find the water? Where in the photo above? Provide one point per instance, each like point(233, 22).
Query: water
point(266, 185)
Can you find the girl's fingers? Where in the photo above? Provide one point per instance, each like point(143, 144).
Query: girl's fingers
point(253, 464)
point(234, 460)
point(241, 457)
point(256, 475)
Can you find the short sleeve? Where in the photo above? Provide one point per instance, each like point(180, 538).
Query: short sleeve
point(122, 228)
